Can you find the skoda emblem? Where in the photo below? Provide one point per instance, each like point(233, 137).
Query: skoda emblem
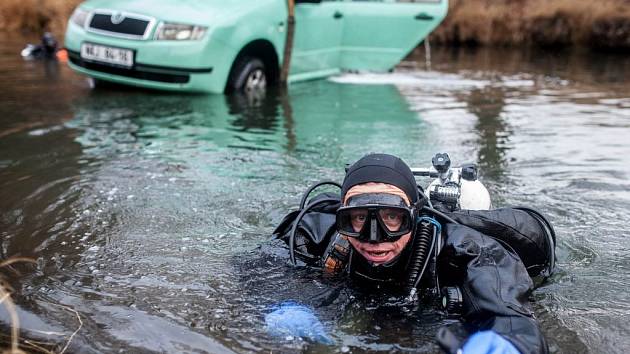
point(117, 18)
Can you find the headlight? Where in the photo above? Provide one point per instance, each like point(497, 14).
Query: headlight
point(179, 32)
point(79, 16)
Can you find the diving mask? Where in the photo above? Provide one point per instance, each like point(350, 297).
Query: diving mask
point(375, 217)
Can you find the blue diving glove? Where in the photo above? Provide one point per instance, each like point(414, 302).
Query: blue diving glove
point(488, 342)
point(292, 319)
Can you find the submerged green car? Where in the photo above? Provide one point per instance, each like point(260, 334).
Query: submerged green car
point(235, 45)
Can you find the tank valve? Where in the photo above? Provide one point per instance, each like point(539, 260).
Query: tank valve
point(469, 172)
point(452, 299)
point(441, 162)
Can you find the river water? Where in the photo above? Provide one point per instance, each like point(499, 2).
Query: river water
point(149, 214)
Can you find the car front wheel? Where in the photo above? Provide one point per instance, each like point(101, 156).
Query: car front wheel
point(248, 76)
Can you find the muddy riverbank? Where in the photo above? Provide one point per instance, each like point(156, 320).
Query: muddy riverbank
point(603, 24)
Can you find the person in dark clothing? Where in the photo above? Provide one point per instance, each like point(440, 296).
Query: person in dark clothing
point(47, 49)
point(382, 231)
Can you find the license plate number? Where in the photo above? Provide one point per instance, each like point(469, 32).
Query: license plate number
point(105, 54)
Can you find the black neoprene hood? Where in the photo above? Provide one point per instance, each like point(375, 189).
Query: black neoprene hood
point(381, 168)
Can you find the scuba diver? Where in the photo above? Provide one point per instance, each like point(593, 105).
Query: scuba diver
point(384, 232)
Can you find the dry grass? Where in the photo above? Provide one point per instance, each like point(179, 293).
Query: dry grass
point(601, 23)
point(7, 302)
point(35, 16)
point(18, 345)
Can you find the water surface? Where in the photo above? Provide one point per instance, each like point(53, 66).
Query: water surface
point(149, 214)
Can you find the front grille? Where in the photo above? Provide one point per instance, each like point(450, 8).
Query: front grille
point(120, 25)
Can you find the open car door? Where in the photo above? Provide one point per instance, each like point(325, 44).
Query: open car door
point(377, 35)
point(318, 31)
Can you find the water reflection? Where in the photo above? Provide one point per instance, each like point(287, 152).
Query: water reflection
point(37, 191)
point(255, 111)
point(34, 93)
point(493, 131)
point(581, 67)
point(302, 120)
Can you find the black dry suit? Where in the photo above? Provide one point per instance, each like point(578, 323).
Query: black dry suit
point(488, 257)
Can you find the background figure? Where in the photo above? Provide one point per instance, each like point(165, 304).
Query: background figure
point(47, 49)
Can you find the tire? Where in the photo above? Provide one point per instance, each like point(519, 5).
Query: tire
point(248, 76)
point(96, 83)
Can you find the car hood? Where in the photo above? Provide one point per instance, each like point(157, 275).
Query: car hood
point(202, 12)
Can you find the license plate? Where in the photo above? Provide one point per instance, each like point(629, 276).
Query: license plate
point(105, 54)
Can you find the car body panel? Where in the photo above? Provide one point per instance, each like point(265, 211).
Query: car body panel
point(317, 38)
point(363, 48)
point(182, 11)
point(330, 36)
point(177, 55)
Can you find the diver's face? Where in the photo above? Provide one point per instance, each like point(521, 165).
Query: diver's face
point(381, 252)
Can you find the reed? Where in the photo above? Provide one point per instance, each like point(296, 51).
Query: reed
point(7, 302)
point(601, 23)
point(19, 345)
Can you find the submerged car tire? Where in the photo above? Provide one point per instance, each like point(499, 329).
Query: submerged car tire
point(98, 84)
point(248, 75)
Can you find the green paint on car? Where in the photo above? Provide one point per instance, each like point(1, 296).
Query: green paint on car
point(227, 45)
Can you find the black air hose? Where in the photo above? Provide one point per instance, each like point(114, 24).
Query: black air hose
point(297, 222)
point(312, 188)
point(423, 244)
point(541, 218)
point(439, 214)
point(303, 210)
point(550, 233)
